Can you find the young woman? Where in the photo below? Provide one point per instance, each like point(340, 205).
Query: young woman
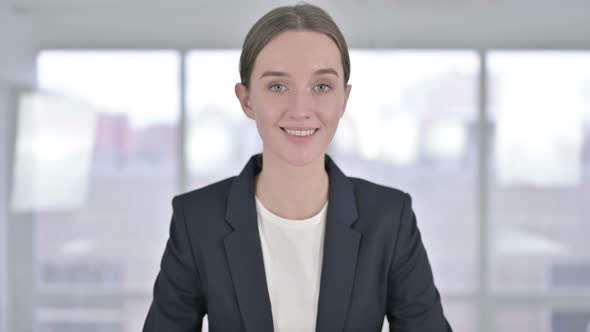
point(291, 243)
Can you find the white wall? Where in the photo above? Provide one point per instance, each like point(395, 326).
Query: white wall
point(17, 69)
point(30, 25)
point(17, 49)
point(207, 24)
point(3, 203)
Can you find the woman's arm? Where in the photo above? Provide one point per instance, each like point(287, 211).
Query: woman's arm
point(179, 302)
point(413, 302)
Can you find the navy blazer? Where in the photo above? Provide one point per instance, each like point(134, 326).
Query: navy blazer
point(374, 262)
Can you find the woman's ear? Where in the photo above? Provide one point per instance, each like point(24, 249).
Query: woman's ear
point(244, 99)
point(347, 89)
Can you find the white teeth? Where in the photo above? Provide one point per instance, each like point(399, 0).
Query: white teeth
point(300, 132)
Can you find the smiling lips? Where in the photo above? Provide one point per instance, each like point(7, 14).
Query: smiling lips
point(302, 132)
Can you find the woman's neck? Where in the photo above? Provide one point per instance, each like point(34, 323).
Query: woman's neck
point(292, 192)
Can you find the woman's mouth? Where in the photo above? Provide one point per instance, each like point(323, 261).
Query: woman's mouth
point(300, 133)
point(300, 136)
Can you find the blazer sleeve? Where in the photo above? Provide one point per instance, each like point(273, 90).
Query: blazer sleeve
point(413, 301)
point(179, 302)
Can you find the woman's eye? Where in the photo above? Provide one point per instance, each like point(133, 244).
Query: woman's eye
point(277, 87)
point(323, 87)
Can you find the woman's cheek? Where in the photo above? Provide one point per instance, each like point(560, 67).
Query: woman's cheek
point(333, 117)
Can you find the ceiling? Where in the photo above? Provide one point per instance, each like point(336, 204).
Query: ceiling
point(24, 6)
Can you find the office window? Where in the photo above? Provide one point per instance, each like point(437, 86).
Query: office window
point(540, 319)
point(462, 315)
point(540, 171)
point(220, 138)
point(97, 258)
point(411, 123)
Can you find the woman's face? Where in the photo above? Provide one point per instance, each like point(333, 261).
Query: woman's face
point(297, 83)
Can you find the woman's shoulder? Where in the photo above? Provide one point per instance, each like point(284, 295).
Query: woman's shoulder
point(365, 187)
point(207, 194)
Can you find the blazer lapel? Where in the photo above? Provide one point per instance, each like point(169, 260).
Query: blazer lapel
point(341, 244)
point(244, 252)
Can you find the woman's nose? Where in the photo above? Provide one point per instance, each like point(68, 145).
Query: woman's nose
point(301, 105)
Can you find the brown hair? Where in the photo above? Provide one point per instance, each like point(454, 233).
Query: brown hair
point(301, 16)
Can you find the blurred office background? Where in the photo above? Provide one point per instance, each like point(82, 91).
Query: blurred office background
point(480, 109)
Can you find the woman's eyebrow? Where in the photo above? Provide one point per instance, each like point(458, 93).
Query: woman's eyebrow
point(326, 71)
point(283, 74)
point(273, 73)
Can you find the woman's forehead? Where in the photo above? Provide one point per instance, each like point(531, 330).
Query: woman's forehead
point(299, 52)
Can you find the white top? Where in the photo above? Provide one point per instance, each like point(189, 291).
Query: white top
point(292, 252)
